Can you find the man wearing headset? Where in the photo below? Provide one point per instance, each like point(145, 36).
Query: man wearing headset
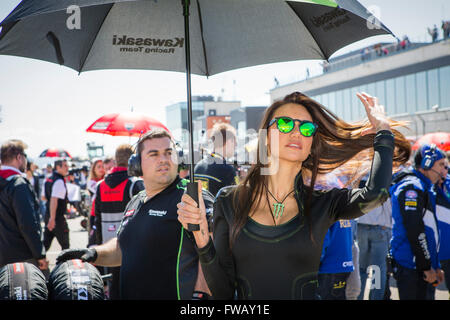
point(156, 256)
point(415, 236)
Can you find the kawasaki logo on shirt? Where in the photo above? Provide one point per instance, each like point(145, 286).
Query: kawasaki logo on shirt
point(157, 213)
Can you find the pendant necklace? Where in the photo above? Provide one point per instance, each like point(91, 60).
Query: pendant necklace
point(278, 206)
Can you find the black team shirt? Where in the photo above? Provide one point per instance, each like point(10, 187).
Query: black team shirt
point(149, 237)
point(150, 240)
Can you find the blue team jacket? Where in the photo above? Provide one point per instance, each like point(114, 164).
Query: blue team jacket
point(415, 236)
point(337, 249)
point(443, 219)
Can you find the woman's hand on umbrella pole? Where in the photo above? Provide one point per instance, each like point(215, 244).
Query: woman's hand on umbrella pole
point(375, 113)
point(189, 212)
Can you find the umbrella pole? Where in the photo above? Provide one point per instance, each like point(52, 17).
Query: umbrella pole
point(186, 4)
point(191, 187)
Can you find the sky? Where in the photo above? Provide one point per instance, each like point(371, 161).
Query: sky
point(47, 105)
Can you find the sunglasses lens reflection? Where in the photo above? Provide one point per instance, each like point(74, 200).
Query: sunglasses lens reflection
point(285, 125)
point(307, 129)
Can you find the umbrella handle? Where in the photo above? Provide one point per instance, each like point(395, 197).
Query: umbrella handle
point(192, 191)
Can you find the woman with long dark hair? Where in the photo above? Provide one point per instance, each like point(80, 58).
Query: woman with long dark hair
point(268, 230)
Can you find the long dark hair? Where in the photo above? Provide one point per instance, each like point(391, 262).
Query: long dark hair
point(335, 143)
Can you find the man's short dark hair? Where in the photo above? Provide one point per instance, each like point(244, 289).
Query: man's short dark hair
point(153, 134)
point(59, 163)
point(221, 132)
point(10, 149)
point(123, 153)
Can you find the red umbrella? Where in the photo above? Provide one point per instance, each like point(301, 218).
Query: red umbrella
point(55, 153)
point(440, 139)
point(125, 124)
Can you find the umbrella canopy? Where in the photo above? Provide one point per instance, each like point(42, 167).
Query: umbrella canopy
point(440, 139)
point(125, 124)
point(55, 153)
point(224, 34)
point(157, 35)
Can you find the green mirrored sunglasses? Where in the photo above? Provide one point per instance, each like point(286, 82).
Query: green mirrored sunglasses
point(287, 124)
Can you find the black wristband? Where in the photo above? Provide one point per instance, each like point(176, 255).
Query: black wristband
point(384, 132)
point(384, 138)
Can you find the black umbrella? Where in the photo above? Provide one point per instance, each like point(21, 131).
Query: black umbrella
point(150, 34)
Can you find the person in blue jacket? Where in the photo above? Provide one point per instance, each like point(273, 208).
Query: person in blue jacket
point(443, 221)
point(336, 261)
point(415, 237)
